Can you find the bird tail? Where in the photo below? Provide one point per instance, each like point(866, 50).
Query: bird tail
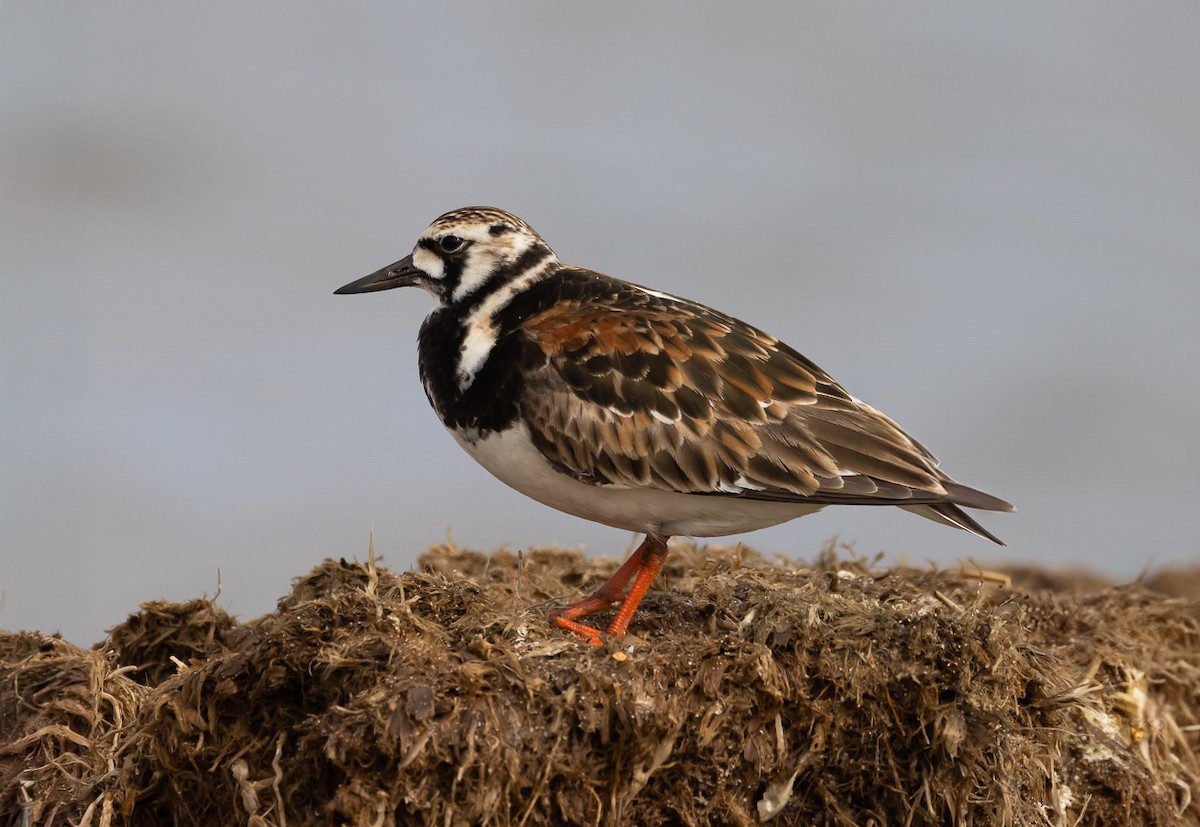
point(949, 513)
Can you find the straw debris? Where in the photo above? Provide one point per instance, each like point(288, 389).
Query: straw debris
point(749, 691)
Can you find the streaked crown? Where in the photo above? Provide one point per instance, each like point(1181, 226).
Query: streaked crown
point(473, 251)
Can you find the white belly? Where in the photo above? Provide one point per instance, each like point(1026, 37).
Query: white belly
point(511, 456)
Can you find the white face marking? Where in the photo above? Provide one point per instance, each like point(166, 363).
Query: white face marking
point(485, 255)
point(429, 262)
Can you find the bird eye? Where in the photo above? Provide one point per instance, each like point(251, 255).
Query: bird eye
point(450, 243)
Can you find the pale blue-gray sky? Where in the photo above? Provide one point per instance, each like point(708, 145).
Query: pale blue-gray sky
point(981, 218)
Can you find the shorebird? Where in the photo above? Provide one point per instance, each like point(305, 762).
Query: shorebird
point(642, 410)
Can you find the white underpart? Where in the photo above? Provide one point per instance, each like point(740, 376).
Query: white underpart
point(481, 324)
point(512, 458)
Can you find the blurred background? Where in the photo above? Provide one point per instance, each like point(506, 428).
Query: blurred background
point(983, 219)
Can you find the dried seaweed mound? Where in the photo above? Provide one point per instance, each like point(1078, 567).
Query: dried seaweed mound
point(749, 691)
point(162, 633)
point(63, 718)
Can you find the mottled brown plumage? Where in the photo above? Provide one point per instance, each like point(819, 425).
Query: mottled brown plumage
point(643, 410)
point(640, 389)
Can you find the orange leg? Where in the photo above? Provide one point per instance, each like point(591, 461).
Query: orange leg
point(641, 567)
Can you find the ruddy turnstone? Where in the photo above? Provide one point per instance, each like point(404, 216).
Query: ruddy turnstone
point(642, 410)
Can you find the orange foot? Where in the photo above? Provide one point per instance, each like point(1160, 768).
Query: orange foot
point(641, 567)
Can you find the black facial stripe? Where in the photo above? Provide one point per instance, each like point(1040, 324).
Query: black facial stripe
point(525, 262)
point(531, 258)
point(452, 269)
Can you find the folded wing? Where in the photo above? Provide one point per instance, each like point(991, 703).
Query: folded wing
point(634, 388)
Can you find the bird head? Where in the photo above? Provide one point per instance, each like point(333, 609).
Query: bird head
point(462, 254)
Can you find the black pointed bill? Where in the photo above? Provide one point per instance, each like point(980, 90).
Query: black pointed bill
point(400, 274)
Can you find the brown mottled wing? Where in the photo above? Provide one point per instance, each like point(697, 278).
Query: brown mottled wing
point(641, 389)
